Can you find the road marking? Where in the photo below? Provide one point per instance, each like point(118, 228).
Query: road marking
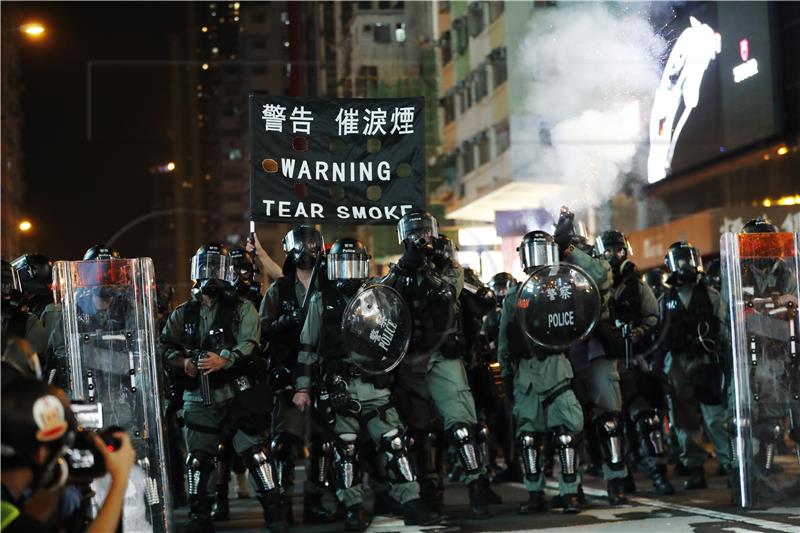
point(758, 522)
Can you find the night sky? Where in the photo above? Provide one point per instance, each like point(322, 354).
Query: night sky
point(80, 192)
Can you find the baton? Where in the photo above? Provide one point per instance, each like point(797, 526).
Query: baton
point(311, 286)
point(626, 330)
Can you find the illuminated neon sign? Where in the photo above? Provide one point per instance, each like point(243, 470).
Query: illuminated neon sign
point(678, 93)
point(749, 67)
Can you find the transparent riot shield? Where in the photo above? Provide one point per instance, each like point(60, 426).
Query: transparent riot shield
point(558, 306)
point(109, 330)
point(376, 329)
point(761, 292)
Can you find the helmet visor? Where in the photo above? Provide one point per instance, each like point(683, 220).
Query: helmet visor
point(301, 239)
point(538, 253)
point(609, 247)
point(348, 266)
point(212, 266)
point(683, 258)
point(416, 229)
point(107, 272)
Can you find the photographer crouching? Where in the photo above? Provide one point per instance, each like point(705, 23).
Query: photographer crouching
point(37, 431)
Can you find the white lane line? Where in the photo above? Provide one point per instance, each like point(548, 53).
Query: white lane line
point(758, 522)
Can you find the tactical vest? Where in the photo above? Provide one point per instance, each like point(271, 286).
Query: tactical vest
point(626, 307)
point(225, 319)
point(685, 323)
point(331, 345)
point(283, 348)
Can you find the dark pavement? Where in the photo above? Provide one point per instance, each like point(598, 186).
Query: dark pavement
point(700, 511)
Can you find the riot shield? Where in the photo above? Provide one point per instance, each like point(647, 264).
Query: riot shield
point(376, 328)
point(109, 320)
point(558, 306)
point(760, 286)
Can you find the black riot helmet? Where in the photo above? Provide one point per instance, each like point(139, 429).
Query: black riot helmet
point(348, 264)
point(537, 249)
point(99, 252)
point(759, 225)
point(303, 245)
point(35, 273)
point(684, 262)
point(655, 279)
point(614, 246)
point(36, 415)
point(417, 227)
point(714, 274)
point(500, 284)
point(164, 294)
point(244, 268)
point(212, 270)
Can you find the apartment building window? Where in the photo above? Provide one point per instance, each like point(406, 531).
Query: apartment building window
point(259, 44)
point(381, 33)
point(499, 66)
point(484, 148)
point(545, 138)
point(444, 6)
point(496, 9)
point(367, 81)
point(461, 37)
point(467, 157)
point(260, 70)
point(446, 43)
point(502, 136)
point(448, 106)
point(400, 32)
point(383, 4)
point(258, 17)
point(475, 19)
point(481, 83)
point(364, 6)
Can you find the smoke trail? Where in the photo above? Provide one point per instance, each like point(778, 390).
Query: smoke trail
point(594, 69)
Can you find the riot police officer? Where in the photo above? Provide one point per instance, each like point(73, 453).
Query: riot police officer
point(436, 358)
point(364, 403)
point(654, 278)
point(205, 337)
point(281, 318)
point(542, 392)
point(19, 323)
point(35, 273)
point(695, 314)
point(634, 309)
point(713, 274)
point(245, 280)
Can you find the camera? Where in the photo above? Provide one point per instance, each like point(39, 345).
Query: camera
point(84, 460)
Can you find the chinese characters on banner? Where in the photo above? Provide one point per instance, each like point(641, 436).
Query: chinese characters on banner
point(336, 161)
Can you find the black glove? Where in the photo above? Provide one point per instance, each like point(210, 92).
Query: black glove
point(413, 259)
point(565, 229)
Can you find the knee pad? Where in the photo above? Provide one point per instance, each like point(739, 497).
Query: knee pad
point(398, 465)
point(346, 460)
point(463, 437)
point(769, 433)
point(648, 425)
point(199, 466)
point(609, 432)
point(531, 445)
point(567, 443)
point(222, 464)
point(261, 469)
point(321, 463)
point(482, 436)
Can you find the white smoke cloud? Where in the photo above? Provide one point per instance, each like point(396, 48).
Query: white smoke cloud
point(594, 69)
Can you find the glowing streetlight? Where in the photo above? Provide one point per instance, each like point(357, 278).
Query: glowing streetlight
point(205, 66)
point(34, 30)
point(783, 150)
point(25, 226)
point(170, 166)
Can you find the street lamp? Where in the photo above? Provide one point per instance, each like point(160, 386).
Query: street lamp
point(34, 30)
point(25, 226)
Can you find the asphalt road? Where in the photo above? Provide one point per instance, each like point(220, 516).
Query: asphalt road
point(699, 511)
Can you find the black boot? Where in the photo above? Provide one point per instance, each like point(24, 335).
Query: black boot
point(616, 492)
point(661, 484)
point(571, 504)
point(221, 510)
point(697, 479)
point(629, 484)
point(274, 513)
point(432, 492)
point(385, 505)
point(416, 514)
point(492, 498)
point(356, 519)
point(536, 503)
point(199, 516)
point(314, 512)
point(735, 486)
point(478, 504)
